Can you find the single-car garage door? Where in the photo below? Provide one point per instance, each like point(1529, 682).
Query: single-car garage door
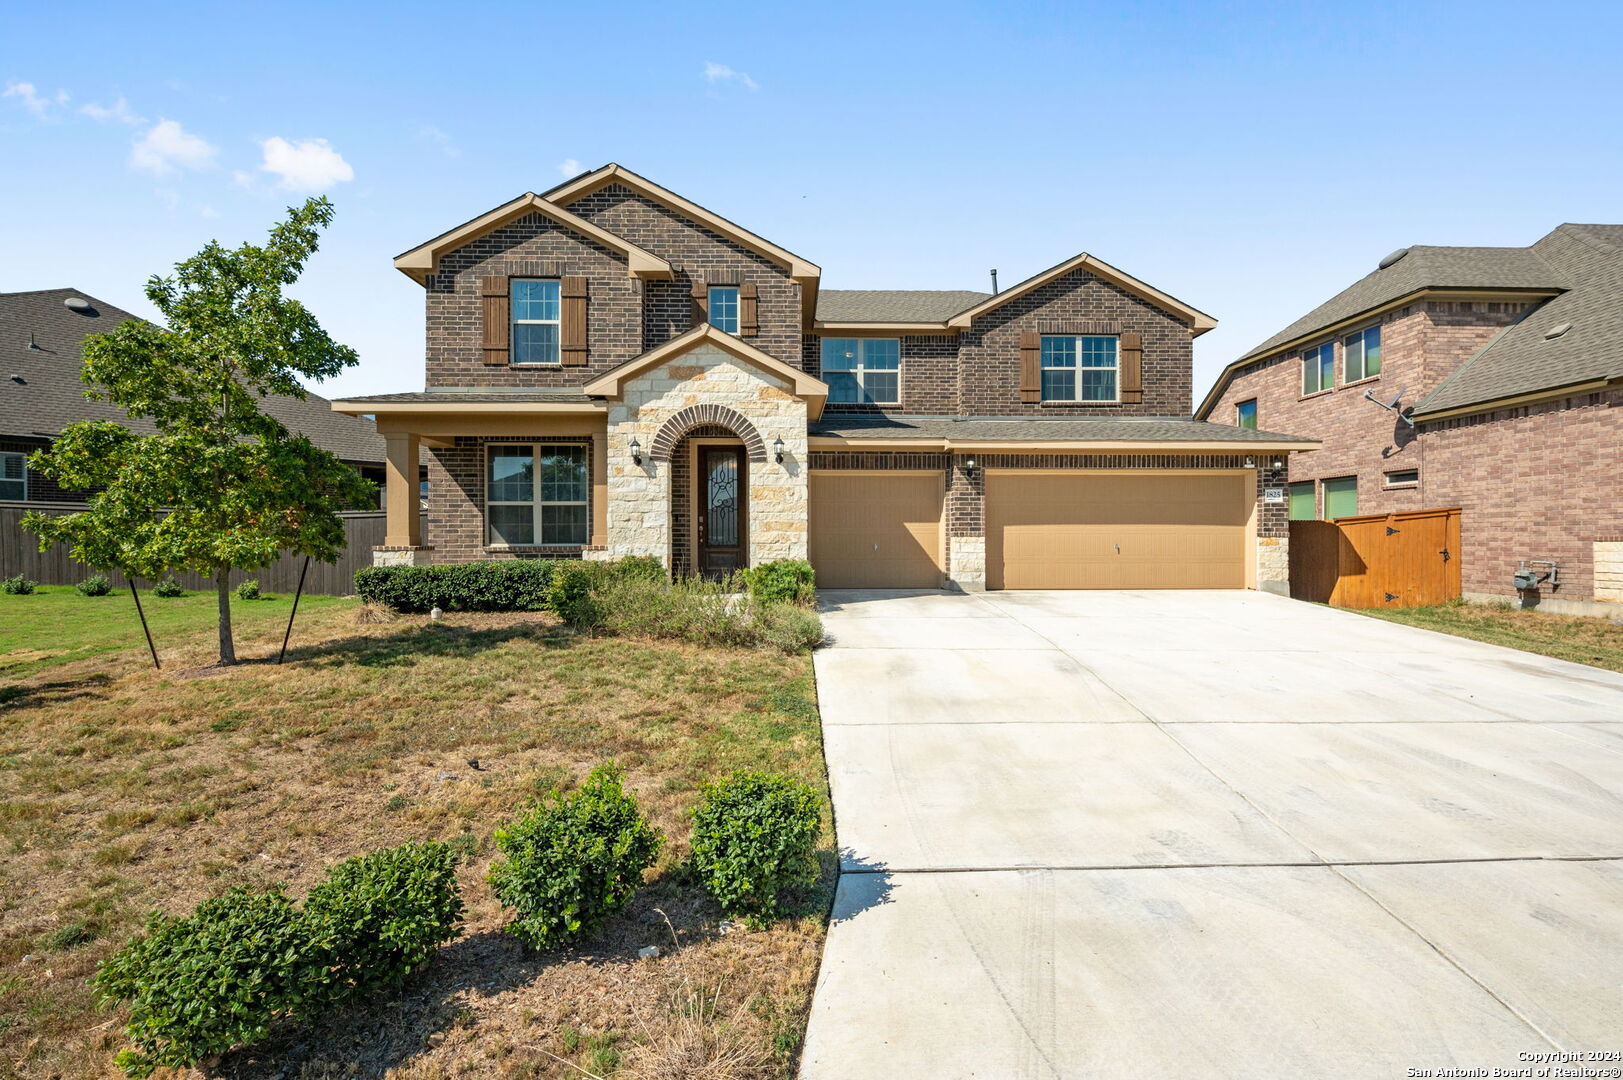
point(1053, 529)
point(876, 530)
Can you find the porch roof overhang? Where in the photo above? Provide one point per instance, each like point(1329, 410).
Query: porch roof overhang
point(1004, 435)
point(813, 391)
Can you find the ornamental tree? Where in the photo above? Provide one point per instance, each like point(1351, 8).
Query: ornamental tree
point(221, 484)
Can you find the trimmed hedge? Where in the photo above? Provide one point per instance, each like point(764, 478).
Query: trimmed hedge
point(510, 585)
point(755, 835)
point(570, 863)
point(789, 581)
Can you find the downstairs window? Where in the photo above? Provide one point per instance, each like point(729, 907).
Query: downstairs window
point(536, 494)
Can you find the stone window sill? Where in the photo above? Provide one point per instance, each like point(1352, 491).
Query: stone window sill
point(1359, 382)
point(1316, 394)
point(501, 548)
point(1076, 404)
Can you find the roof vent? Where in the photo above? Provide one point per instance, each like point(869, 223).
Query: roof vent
point(19, 380)
point(1557, 330)
point(1392, 258)
point(78, 303)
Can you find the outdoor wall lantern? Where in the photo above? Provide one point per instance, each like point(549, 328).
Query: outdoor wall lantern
point(969, 467)
point(636, 451)
point(1250, 462)
point(777, 449)
point(1279, 463)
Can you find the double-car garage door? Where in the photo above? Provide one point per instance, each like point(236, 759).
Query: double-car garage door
point(1045, 529)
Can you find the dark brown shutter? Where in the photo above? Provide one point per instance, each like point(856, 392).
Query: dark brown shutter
point(701, 302)
point(497, 319)
point(1031, 366)
point(749, 317)
point(1132, 369)
point(572, 331)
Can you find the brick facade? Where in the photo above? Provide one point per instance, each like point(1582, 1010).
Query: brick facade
point(41, 488)
point(1534, 482)
point(455, 522)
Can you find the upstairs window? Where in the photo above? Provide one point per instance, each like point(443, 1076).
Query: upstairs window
point(536, 494)
point(863, 371)
point(1361, 354)
point(1245, 414)
point(723, 308)
point(535, 321)
point(1080, 368)
point(1318, 368)
point(13, 476)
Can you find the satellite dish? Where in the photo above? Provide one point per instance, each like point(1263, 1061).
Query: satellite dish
point(1391, 406)
point(1392, 258)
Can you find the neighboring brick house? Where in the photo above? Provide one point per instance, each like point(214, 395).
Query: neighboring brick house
point(42, 334)
point(1510, 366)
point(614, 370)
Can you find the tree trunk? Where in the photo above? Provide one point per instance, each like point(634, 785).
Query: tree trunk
point(222, 587)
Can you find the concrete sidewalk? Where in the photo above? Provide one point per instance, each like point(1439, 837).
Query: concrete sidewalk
point(1209, 834)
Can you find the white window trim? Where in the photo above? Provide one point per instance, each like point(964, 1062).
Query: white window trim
point(1318, 363)
point(1254, 413)
point(558, 322)
point(536, 503)
point(861, 370)
point(1115, 368)
point(1363, 355)
point(1387, 481)
point(738, 307)
point(23, 458)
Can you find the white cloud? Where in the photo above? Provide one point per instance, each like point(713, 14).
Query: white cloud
point(119, 110)
point(36, 103)
point(569, 168)
point(167, 145)
point(720, 73)
point(437, 136)
point(309, 165)
point(209, 212)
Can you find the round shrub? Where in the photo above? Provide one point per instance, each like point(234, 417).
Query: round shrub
point(788, 581)
point(248, 590)
point(385, 913)
point(168, 587)
point(95, 585)
point(755, 835)
point(17, 586)
point(571, 862)
point(577, 586)
point(219, 978)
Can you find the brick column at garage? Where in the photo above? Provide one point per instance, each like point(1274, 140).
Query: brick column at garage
point(1273, 528)
point(966, 524)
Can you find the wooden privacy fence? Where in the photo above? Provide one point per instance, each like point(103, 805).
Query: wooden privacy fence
point(20, 554)
point(1377, 560)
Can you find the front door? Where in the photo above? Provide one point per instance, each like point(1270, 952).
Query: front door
point(722, 510)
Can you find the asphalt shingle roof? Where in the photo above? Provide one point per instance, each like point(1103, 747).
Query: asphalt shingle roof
point(1425, 268)
point(1105, 429)
point(894, 305)
point(477, 397)
point(51, 394)
point(1520, 359)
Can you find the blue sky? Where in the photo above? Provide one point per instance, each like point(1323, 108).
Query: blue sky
point(1249, 159)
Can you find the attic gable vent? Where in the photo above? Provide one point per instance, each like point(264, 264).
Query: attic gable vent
point(1557, 330)
point(1392, 258)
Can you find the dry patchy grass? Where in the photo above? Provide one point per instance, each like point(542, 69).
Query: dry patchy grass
point(123, 790)
point(1580, 639)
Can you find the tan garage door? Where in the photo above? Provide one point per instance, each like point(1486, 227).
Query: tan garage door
point(876, 530)
point(1073, 530)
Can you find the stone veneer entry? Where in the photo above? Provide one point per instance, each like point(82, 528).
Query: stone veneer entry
point(639, 496)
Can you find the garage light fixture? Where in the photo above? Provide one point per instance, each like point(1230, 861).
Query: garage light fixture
point(1250, 462)
point(969, 468)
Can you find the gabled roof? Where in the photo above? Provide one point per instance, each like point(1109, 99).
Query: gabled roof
point(813, 390)
point(421, 260)
point(51, 395)
point(1199, 322)
point(894, 305)
point(1523, 359)
point(586, 183)
point(1422, 268)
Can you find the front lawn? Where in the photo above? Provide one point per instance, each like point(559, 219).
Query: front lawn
point(124, 790)
point(1582, 640)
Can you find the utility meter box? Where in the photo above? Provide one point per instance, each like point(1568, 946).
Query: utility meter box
point(1526, 579)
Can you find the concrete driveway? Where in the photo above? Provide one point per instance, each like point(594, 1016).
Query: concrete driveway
point(1209, 834)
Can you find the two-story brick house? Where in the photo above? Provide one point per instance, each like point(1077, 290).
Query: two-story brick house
point(614, 370)
point(1509, 362)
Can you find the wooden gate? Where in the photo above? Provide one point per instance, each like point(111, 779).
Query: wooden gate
point(1377, 560)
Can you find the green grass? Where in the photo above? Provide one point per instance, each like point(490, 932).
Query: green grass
point(56, 625)
point(1582, 640)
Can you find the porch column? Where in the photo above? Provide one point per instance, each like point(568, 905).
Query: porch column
point(404, 517)
point(600, 490)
